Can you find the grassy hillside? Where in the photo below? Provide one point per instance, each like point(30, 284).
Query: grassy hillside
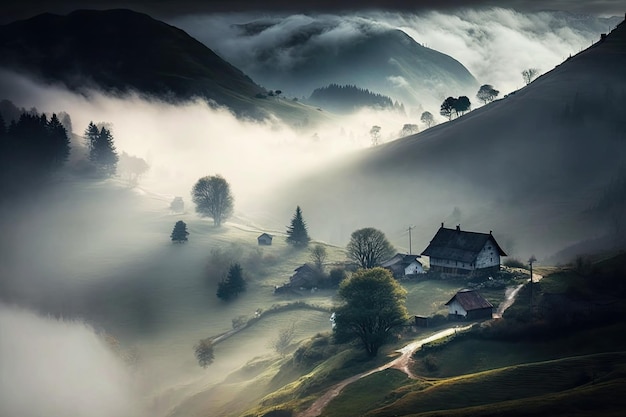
point(122, 51)
point(519, 365)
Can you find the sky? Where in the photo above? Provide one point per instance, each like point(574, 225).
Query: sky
point(164, 9)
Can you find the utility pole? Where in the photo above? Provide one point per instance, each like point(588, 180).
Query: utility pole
point(410, 248)
point(530, 262)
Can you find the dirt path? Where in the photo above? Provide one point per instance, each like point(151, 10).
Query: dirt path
point(509, 296)
point(401, 363)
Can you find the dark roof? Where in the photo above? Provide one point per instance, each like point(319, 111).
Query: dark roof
point(265, 235)
point(402, 259)
point(305, 269)
point(470, 300)
point(459, 245)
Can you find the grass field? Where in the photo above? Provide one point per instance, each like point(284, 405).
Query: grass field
point(483, 389)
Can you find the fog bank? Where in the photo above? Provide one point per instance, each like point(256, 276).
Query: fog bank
point(53, 367)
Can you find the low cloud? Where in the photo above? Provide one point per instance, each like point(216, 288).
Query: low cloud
point(398, 81)
point(52, 367)
point(495, 44)
point(187, 141)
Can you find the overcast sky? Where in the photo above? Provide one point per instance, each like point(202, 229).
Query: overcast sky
point(13, 9)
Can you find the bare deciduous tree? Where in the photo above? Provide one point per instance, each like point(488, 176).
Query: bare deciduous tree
point(213, 198)
point(318, 256)
point(409, 129)
point(427, 118)
point(487, 93)
point(375, 135)
point(368, 247)
point(529, 74)
point(283, 339)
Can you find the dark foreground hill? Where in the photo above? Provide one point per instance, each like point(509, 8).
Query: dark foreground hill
point(542, 168)
point(121, 51)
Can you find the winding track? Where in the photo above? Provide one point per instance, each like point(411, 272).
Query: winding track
point(402, 362)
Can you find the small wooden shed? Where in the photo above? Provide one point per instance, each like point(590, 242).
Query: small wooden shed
point(265, 239)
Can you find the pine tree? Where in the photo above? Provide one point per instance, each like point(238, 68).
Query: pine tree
point(59, 142)
point(233, 284)
point(106, 155)
point(101, 149)
point(297, 234)
point(91, 137)
point(180, 233)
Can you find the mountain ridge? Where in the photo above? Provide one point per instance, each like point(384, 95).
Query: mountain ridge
point(121, 51)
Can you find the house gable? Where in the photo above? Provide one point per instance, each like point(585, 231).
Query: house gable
point(265, 239)
point(456, 250)
point(401, 265)
point(469, 304)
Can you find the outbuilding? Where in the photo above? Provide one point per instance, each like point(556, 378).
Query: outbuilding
point(469, 305)
point(264, 239)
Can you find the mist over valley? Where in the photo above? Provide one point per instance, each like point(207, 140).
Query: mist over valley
point(103, 311)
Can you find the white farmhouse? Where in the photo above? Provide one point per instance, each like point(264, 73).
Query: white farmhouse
point(403, 265)
point(455, 251)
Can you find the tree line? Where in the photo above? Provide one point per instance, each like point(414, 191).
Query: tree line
point(34, 147)
point(350, 97)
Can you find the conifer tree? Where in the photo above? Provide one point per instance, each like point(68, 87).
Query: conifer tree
point(180, 233)
point(59, 142)
point(297, 234)
point(233, 284)
point(101, 149)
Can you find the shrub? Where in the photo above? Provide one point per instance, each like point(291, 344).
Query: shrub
point(514, 263)
point(204, 352)
point(430, 363)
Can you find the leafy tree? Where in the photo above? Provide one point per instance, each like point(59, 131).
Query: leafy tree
point(132, 167)
point(336, 276)
point(409, 129)
point(486, 93)
point(233, 285)
point(318, 257)
point(180, 233)
point(368, 247)
point(213, 198)
point(375, 135)
point(447, 107)
point(177, 205)
point(204, 352)
point(297, 234)
point(461, 105)
point(374, 308)
point(427, 118)
point(529, 74)
point(283, 339)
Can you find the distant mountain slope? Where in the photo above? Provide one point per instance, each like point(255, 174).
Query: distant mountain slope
point(348, 98)
point(531, 167)
point(301, 53)
point(120, 51)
